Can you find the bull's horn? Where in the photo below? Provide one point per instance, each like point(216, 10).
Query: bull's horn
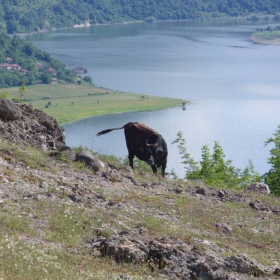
point(156, 144)
point(158, 141)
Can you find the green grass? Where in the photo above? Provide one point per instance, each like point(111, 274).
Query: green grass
point(71, 102)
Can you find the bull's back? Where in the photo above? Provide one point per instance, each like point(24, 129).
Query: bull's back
point(136, 134)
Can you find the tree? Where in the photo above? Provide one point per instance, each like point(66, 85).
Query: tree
point(272, 177)
point(213, 169)
point(191, 166)
point(46, 78)
point(88, 79)
point(31, 78)
point(22, 90)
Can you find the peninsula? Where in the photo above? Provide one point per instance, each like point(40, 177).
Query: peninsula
point(70, 102)
point(267, 37)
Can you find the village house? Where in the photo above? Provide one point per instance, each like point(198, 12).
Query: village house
point(79, 70)
point(24, 71)
point(41, 66)
point(52, 71)
point(10, 67)
point(9, 59)
point(6, 65)
point(54, 81)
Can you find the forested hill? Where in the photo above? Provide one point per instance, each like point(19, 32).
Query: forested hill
point(20, 60)
point(25, 16)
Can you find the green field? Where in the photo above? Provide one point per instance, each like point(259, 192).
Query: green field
point(71, 102)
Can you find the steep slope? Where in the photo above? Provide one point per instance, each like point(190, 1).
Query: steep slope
point(60, 220)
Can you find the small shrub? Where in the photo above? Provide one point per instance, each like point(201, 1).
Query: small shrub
point(4, 94)
point(214, 169)
point(272, 177)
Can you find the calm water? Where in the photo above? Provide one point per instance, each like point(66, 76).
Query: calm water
point(233, 83)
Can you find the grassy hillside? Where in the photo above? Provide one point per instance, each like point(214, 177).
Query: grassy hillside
point(50, 208)
point(71, 102)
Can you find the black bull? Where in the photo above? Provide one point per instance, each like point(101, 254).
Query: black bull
point(144, 143)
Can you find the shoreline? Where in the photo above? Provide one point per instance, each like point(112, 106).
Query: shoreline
point(87, 24)
point(254, 38)
point(82, 25)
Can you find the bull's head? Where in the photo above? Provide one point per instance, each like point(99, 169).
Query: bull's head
point(153, 151)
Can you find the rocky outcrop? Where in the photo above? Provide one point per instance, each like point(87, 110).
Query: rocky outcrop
point(21, 124)
point(176, 259)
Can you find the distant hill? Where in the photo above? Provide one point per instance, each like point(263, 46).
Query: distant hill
point(26, 16)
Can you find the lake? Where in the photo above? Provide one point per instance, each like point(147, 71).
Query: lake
point(233, 83)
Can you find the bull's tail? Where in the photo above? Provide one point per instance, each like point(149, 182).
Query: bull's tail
point(108, 130)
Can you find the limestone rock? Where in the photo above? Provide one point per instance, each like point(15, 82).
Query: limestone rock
point(70, 153)
point(244, 264)
point(90, 161)
point(176, 259)
point(260, 188)
point(258, 205)
point(9, 110)
point(224, 228)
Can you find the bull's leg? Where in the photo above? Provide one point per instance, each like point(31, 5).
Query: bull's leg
point(154, 169)
point(163, 168)
point(130, 157)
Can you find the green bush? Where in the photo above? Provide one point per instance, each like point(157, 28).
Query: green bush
point(272, 177)
point(214, 169)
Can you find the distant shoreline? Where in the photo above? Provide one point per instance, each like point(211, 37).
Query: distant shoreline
point(87, 24)
point(259, 39)
point(77, 26)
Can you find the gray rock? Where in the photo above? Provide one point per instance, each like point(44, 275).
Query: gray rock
point(257, 205)
point(222, 194)
point(224, 228)
point(70, 153)
point(9, 110)
point(90, 161)
point(260, 188)
point(244, 264)
point(201, 191)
